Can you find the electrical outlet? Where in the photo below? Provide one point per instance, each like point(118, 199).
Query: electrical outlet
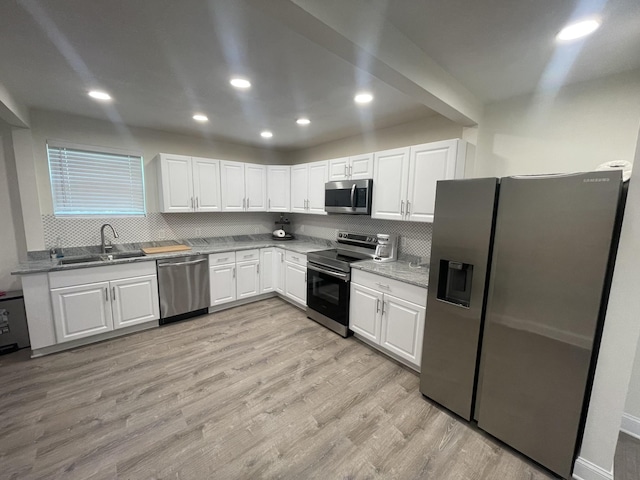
point(162, 234)
point(403, 242)
point(198, 232)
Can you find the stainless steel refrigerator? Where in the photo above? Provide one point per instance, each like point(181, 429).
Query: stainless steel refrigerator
point(518, 286)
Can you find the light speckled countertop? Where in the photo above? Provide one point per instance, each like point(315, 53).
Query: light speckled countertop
point(401, 271)
point(198, 247)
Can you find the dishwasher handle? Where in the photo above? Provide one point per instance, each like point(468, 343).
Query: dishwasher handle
point(178, 264)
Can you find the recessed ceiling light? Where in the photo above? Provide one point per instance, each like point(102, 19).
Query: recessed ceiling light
point(198, 117)
point(303, 121)
point(242, 83)
point(99, 95)
point(363, 97)
point(578, 30)
point(266, 134)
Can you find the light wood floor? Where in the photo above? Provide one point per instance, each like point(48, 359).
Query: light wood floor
point(258, 391)
point(627, 461)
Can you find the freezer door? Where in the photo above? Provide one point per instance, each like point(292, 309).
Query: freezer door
point(462, 227)
point(549, 270)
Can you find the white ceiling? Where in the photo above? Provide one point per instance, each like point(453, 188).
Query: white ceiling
point(163, 60)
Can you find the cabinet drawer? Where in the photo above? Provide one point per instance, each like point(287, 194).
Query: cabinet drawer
point(222, 258)
point(80, 276)
point(405, 291)
point(297, 258)
point(247, 255)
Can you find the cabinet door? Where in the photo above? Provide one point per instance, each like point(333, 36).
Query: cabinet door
point(361, 167)
point(403, 328)
point(278, 271)
point(176, 183)
point(233, 196)
point(255, 187)
point(365, 307)
point(134, 300)
point(278, 188)
point(391, 169)
point(81, 311)
point(299, 180)
point(296, 282)
point(222, 281)
point(248, 280)
point(267, 270)
point(318, 176)
point(206, 184)
point(338, 169)
point(428, 163)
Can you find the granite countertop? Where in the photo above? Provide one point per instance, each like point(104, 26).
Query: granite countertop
point(200, 246)
point(400, 270)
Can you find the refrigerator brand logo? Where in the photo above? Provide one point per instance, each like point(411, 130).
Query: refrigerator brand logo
point(591, 180)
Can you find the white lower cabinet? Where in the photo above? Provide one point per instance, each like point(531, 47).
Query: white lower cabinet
point(222, 279)
point(278, 270)
point(295, 277)
point(248, 279)
point(267, 269)
point(388, 314)
point(122, 296)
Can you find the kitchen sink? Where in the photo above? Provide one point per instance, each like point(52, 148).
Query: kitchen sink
point(105, 257)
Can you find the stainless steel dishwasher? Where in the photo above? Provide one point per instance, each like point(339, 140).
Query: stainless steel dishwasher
point(184, 287)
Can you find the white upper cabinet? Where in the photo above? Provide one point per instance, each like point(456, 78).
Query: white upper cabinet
point(351, 168)
point(278, 188)
point(188, 184)
point(307, 187)
point(244, 187)
point(405, 179)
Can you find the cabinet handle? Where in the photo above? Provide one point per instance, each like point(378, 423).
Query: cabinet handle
point(113, 292)
point(402, 208)
point(377, 305)
point(346, 171)
point(258, 270)
point(243, 204)
point(223, 259)
point(408, 207)
point(247, 203)
point(281, 257)
point(197, 204)
point(383, 307)
point(305, 277)
point(269, 205)
point(192, 204)
point(350, 171)
point(234, 272)
point(295, 258)
point(106, 294)
point(382, 285)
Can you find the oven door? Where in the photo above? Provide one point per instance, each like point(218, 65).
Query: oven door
point(348, 196)
point(328, 292)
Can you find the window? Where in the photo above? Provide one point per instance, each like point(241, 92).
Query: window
point(89, 180)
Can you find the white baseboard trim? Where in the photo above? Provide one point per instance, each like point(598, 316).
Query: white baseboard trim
point(630, 425)
point(585, 470)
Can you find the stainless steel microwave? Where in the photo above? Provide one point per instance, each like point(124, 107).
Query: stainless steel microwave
point(348, 196)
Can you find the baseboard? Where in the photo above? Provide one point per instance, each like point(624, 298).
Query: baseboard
point(585, 470)
point(630, 425)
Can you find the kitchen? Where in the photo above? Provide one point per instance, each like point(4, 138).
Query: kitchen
point(504, 147)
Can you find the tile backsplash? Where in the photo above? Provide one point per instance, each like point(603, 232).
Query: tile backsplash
point(77, 232)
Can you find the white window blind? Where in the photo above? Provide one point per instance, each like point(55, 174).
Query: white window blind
point(87, 181)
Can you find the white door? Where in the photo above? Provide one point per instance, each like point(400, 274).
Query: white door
point(318, 176)
point(206, 184)
point(390, 184)
point(338, 169)
point(365, 307)
point(361, 167)
point(255, 187)
point(278, 271)
point(248, 279)
point(177, 183)
point(278, 188)
point(299, 188)
point(81, 311)
point(295, 282)
point(403, 328)
point(222, 283)
point(428, 163)
point(134, 300)
point(232, 178)
point(267, 270)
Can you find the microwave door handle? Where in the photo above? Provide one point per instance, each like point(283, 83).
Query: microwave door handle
point(353, 196)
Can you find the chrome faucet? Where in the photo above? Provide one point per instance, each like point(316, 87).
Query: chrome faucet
point(107, 248)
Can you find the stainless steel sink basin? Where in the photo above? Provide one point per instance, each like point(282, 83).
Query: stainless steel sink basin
point(105, 257)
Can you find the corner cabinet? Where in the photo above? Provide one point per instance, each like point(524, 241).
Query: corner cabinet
point(389, 315)
point(405, 178)
point(87, 302)
point(278, 188)
point(188, 184)
point(244, 187)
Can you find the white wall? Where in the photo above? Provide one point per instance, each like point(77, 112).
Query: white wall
point(12, 246)
point(582, 126)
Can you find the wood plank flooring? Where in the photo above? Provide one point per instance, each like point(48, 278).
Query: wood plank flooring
point(627, 461)
point(258, 392)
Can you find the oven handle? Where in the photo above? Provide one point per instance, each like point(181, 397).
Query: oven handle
point(353, 194)
point(342, 276)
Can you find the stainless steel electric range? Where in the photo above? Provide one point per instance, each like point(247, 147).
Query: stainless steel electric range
point(329, 278)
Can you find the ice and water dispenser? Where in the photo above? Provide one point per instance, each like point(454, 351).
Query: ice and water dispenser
point(454, 284)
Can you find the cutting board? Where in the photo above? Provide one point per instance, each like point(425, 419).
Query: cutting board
point(168, 249)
